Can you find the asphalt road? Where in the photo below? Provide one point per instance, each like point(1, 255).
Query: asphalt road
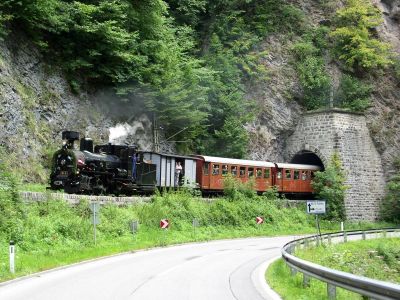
point(222, 270)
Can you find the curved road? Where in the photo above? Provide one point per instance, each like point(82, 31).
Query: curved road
point(223, 270)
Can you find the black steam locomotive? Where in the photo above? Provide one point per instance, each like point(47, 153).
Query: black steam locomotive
point(103, 169)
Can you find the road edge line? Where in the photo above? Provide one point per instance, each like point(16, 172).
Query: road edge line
point(258, 278)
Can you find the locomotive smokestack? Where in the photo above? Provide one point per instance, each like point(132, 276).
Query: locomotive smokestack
point(70, 137)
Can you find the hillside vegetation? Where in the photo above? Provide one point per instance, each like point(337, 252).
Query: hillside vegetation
point(191, 61)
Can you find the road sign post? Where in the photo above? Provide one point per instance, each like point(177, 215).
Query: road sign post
point(164, 224)
point(259, 221)
point(316, 207)
point(95, 208)
point(134, 228)
point(12, 257)
point(195, 224)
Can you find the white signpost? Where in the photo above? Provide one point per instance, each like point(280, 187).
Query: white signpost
point(195, 224)
point(316, 207)
point(95, 208)
point(12, 257)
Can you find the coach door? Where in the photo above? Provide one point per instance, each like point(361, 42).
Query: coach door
point(205, 173)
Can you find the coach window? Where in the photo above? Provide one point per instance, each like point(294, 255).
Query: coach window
point(303, 175)
point(296, 175)
point(234, 171)
point(288, 174)
point(250, 172)
point(259, 173)
point(279, 174)
point(267, 173)
point(206, 168)
point(224, 170)
point(312, 175)
point(215, 170)
point(242, 171)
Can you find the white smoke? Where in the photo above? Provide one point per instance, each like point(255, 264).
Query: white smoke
point(120, 132)
point(138, 132)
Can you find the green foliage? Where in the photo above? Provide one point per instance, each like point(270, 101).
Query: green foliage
point(354, 39)
point(193, 58)
point(374, 258)
point(11, 206)
point(310, 66)
point(235, 189)
point(329, 185)
point(377, 258)
point(390, 208)
point(354, 94)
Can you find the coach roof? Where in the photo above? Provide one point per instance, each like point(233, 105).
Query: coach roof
point(233, 161)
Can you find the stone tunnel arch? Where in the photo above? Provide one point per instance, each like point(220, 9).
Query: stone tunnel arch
point(320, 134)
point(307, 157)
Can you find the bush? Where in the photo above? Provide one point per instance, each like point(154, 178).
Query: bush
point(11, 206)
point(329, 185)
point(235, 189)
point(354, 39)
point(354, 94)
point(310, 67)
point(390, 208)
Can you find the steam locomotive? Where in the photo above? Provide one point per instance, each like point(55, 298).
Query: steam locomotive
point(103, 169)
point(119, 169)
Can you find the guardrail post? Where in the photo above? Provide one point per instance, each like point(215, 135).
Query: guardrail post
point(306, 280)
point(306, 243)
point(331, 291)
point(345, 237)
point(329, 239)
point(364, 236)
point(293, 271)
point(384, 233)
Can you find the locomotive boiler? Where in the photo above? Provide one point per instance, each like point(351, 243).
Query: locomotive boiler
point(103, 169)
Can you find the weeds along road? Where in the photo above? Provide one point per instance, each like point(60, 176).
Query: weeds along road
point(220, 270)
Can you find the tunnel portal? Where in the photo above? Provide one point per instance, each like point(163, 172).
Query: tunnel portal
point(307, 158)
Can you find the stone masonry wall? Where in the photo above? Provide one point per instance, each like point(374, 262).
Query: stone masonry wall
point(326, 132)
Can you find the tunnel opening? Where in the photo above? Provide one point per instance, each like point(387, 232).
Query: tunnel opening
point(308, 158)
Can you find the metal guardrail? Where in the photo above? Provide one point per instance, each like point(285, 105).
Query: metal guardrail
point(374, 289)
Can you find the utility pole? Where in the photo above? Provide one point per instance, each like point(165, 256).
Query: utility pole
point(155, 135)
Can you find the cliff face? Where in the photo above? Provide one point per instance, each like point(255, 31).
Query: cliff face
point(280, 112)
point(37, 104)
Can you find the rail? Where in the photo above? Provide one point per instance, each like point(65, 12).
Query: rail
point(371, 288)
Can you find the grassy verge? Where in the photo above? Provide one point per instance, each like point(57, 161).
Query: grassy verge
point(291, 287)
point(53, 233)
point(378, 258)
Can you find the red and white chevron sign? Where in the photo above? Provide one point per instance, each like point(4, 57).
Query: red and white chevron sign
point(164, 224)
point(259, 220)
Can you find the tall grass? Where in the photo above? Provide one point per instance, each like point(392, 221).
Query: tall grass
point(378, 259)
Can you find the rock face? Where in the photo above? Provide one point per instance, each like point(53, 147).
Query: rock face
point(37, 104)
point(327, 132)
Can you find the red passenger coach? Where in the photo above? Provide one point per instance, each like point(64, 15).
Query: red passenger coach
point(212, 170)
point(288, 178)
point(295, 178)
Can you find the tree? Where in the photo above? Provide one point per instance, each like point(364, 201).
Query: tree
point(354, 94)
point(11, 206)
point(390, 209)
point(329, 185)
point(355, 42)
